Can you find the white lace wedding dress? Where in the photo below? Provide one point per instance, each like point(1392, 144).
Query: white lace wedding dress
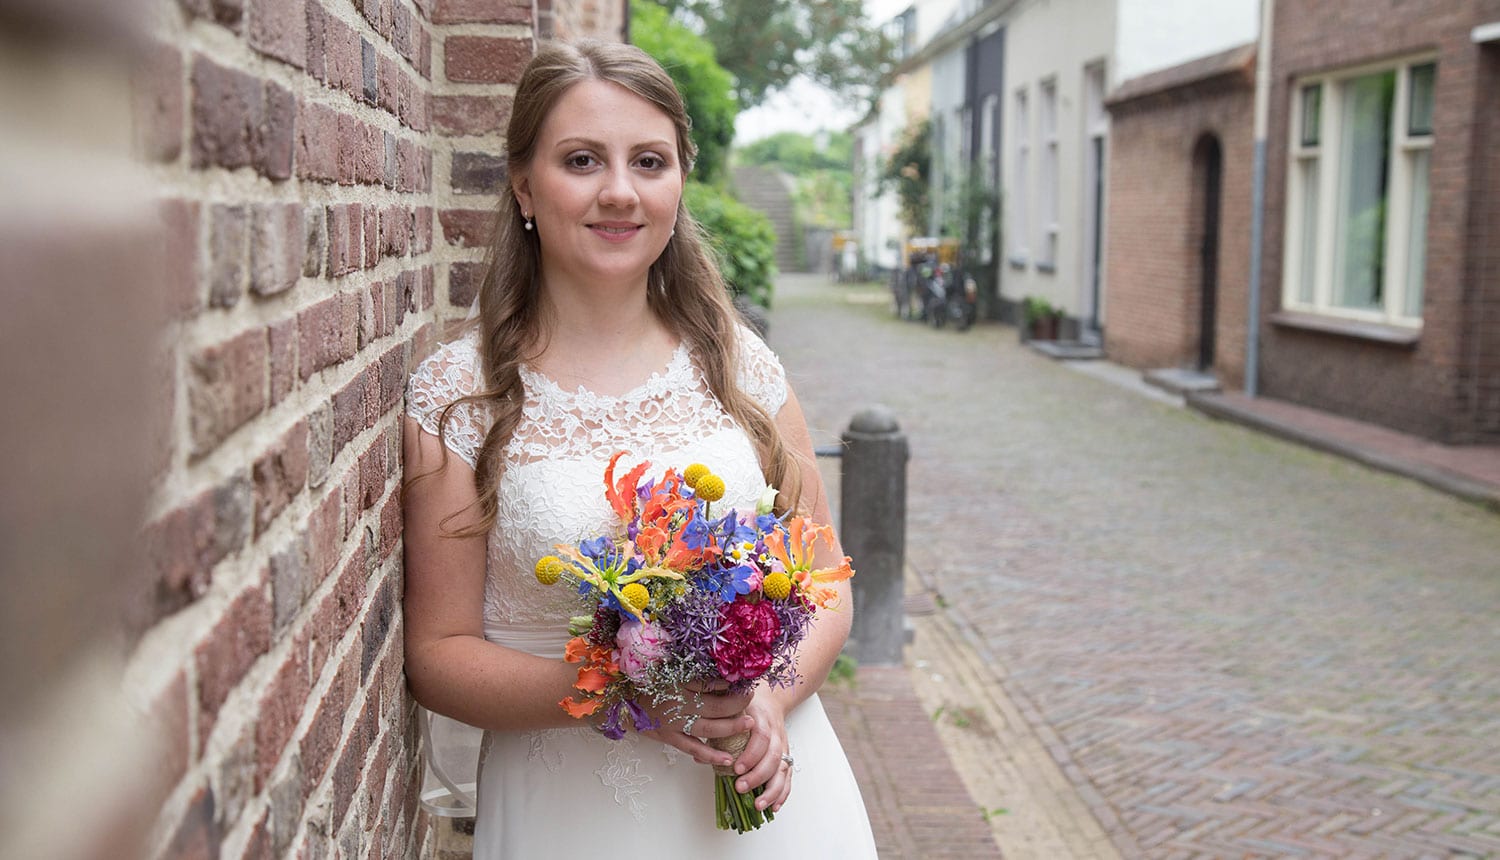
point(572, 792)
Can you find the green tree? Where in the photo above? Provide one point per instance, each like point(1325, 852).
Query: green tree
point(766, 43)
point(821, 164)
point(705, 85)
point(909, 174)
point(742, 239)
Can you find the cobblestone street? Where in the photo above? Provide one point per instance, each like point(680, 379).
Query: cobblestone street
point(1233, 646)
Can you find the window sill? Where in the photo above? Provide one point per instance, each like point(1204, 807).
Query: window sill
point(1046, 268)
point(1017, 263)
point(1379, 333)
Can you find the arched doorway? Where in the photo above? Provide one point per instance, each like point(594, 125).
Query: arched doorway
point(1208, 173)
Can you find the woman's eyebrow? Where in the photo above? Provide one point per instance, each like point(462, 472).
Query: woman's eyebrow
point(588, 143)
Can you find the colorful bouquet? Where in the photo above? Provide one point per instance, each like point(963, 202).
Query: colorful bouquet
point(678, 595)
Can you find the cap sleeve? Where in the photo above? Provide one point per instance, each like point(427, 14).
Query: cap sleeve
point(761, 375)
point(442, 378)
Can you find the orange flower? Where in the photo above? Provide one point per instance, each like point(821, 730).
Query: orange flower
point(793, 546)
point(621, 493)
point(580, 709)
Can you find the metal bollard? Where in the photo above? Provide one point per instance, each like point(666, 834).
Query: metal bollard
point(873, 530)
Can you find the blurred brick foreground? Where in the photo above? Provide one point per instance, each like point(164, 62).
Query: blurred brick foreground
point(230, 228)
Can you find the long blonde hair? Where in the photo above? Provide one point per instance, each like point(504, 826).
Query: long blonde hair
point(685, 290)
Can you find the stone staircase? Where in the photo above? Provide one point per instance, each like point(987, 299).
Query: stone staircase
point(768, 190)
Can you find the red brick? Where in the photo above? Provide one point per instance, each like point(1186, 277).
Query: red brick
point(325, 531)
point(241, 635)
point(258, 845)
point(400, 34)
point(317, 135)
point(276, 247)
point(280, 710)
point(354, 406)
point(227, 105)
point(315, 239)
point(228, 240)
point(372, 474)
point(395, 231)
point(229, 13)
point(279, 475)
point(226, 388)
point(325, 336)
point(375, 779)
point(316, 26)
point(338, 220)
point(421, 237)
point(349, 139)
point(158, 103)
point(428, 287)
point(470, 115)
point(467, 228)
point(278, 28)
point(180, 261)
point(388, 77)
point(480, 12)
point(371, 237)
point(183, 550)
point(276, 133)
point(344, 57)
point(390, 525)
point(424, 65)
point(477, 173)
point(321, 740)
point(486, 59)
point(281, 338)
point(463, 283)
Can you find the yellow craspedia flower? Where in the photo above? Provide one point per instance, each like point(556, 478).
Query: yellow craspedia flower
point(636, 595)
point(777, 586)
point(692, 474)
point(710, 488)
point(549, 569)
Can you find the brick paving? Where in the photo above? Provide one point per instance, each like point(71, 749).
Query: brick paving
point(1233, 646)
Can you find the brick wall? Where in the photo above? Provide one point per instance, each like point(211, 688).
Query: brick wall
point(326, 171)
point(573, 19)
point(1445, 386)
point(1155, 223)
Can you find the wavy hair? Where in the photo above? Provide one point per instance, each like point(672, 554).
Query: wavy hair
point(685, 289)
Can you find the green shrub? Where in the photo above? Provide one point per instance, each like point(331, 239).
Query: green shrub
point(742, 239)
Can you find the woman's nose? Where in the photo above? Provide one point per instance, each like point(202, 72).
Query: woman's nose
point(618, 190)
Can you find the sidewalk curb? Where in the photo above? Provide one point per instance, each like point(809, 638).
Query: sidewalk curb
point(1476, 492)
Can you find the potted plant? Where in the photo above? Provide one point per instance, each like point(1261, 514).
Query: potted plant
point(1039, 319)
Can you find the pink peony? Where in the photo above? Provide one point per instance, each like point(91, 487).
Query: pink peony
point(743, 650)
point(640, 643)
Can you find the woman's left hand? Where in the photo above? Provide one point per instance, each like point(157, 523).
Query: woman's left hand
point(762, 762)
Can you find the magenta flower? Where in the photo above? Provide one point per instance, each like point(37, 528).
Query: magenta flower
point(743, 650)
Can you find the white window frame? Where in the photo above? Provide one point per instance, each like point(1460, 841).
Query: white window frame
point(1019, 223)
point(1048, 178)
point(1309, 253)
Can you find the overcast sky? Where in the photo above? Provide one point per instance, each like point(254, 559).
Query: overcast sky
point(804, 106)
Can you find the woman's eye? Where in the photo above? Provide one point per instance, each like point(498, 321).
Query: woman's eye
point(580, 160)
point(652, 162)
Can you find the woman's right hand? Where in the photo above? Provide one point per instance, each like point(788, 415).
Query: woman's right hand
point(706, 713)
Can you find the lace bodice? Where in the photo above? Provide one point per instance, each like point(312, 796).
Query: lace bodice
point(552, 485)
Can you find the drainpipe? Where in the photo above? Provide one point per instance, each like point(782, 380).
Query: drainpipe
point(1258, 197)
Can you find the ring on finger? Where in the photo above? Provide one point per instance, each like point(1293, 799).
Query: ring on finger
point(687, 726)
point(787, 758)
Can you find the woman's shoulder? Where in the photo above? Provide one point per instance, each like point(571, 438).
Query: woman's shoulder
point(760, 372)
point(450, 372)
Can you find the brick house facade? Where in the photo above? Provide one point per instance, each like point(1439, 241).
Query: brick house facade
point(1435, 373)
point(1164, 130)
point(241, 223)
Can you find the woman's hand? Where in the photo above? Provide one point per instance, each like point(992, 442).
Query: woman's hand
point(707, 713)
point(762, 762)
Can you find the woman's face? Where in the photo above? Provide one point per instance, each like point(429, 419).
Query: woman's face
point(603, 186)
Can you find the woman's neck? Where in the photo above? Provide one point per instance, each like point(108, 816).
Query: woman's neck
point(605, 339)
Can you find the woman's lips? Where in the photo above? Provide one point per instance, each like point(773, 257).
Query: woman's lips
point(615, 231)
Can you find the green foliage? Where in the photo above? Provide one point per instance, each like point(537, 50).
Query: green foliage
point(705, 85)
point(909, 174)
point(973, 213)
point(1035, 308)
point(766, 43)
point(821, 165)
point(742, 239)
point(845, 670)
point(799, 153)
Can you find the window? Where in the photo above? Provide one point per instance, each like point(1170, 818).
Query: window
point(990, 174)
point(1047, 183)
point(1361, 145)
point(1021, 138)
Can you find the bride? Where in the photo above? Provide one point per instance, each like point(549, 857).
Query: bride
point(603, 326)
